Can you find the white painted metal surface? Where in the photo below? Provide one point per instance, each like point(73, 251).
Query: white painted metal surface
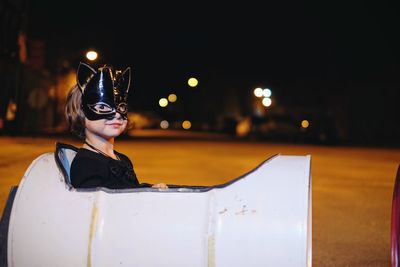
point(260, 219)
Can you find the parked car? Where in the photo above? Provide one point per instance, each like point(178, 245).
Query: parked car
point(143, 120)
point(320, 129)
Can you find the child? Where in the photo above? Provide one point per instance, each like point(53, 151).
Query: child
point(96, 111)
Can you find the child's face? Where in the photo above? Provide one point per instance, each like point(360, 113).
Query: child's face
point(105, 128)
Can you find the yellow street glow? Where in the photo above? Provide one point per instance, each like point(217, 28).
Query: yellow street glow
point(305, 123)
point(193, 82)
point(91, 55)
point(163, 102)
point(258, 92)
point(186, 125)
point(266, 101)
point(172, 98)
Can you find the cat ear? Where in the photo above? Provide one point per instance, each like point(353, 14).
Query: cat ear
point(125, 80)
point(83, 75)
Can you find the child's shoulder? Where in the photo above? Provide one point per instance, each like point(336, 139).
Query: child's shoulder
point(87, 155)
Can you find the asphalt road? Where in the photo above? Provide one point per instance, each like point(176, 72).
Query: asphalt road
point(351, 187)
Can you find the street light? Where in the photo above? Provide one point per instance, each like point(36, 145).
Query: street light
point(266, 101)
point(164, 124)
point(266, 92)
point(305, 124)
point(163, 102)
point(172, 98)
point(91, 55)
point(193, 82)
point(186, 125)
point(258, 92)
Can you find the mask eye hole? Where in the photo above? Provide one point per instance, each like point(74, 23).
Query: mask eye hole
point(122, 108)
point(101, 108)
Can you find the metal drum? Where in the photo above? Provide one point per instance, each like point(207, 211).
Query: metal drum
point(395, 223)
point(262, 218)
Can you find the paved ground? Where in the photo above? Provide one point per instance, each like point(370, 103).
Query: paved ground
point(352, 187)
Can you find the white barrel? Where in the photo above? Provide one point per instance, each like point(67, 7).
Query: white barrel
point(260, 219)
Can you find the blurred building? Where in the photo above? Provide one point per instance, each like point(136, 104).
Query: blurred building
point(13, 24)
point(34, 81)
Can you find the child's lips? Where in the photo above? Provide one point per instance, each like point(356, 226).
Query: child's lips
point(115, 124)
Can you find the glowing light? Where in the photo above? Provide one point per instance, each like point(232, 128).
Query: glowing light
point(258, 92)
point(91, 55)
point(243, 128)
point(172, 98)
point(266, 101)
point(163, 102)
point(186, 125)
point(266, 92)
point(193, 82)
point(305, 124)
point(164, 124)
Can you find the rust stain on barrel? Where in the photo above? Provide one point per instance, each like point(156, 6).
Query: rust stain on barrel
point(211, 251)
point(92, 230)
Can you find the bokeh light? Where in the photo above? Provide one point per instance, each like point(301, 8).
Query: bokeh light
point(266, 101)
point(163, 102)
point(186, 125)
point(305, 124)
point(258, 92)
point(172, 98)
point(164, 124)
point(266, 92)
point(193, 82)
point(91, 55)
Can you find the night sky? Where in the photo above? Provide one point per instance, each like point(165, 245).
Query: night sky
point(342, 56)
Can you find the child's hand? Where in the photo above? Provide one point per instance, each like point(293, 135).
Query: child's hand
point(160, 186)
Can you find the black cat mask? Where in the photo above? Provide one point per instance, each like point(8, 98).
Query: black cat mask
point(104, 92)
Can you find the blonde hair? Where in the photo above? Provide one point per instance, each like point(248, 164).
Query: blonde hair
point(74, 113)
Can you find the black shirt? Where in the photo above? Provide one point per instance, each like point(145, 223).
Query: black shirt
point(90, 169)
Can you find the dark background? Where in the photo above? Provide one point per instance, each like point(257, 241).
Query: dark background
point(331, 60)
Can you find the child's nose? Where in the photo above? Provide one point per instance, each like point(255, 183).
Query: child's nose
point(117, 116)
